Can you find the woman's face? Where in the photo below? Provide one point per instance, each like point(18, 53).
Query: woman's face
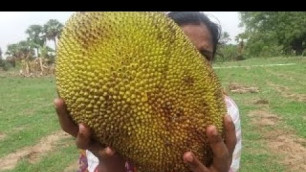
point(201, 37)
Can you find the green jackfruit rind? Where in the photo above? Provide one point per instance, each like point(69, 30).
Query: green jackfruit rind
point(141, 85)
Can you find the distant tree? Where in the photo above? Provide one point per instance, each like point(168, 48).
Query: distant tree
point(226, 51)
point(35, 37)
point(34, 47)
point(52, 30)
point(240, 39)
point(26, 53)
point(12, 54)
point(12, 51)
point(225, 38)
point(25, 49)
point(274, 32)
point(21, 51)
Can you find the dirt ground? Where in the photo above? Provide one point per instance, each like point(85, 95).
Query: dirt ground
point(285, 92)
point(32, 153)
point(283, 143)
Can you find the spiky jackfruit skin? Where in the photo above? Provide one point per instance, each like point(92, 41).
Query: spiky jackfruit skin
point(141, 85)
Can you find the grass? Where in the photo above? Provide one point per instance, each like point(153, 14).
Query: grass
point(26, 116)
point(57, 160)
point(256, 156)
point(27, 113)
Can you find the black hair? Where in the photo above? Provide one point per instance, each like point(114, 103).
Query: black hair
point(197, 18)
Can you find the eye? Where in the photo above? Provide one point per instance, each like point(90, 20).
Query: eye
point(207, 54)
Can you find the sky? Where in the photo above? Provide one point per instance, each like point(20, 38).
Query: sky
point(14, 24)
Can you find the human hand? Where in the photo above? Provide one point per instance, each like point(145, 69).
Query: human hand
point(222, 150)
point(110, 161)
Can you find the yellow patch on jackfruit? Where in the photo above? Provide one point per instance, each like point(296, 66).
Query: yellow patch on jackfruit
point(141, 85)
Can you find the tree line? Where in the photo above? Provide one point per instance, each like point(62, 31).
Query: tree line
point(267, 34)
point(273, 33)
point(34, 47)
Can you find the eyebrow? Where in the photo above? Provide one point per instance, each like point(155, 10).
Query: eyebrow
point(207, 54)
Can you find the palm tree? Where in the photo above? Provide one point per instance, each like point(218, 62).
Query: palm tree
point(36, 38)
point(52, 30)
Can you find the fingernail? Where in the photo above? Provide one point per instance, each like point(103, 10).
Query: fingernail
point(214, 131)
point(55, 102)
point(109, 151)
point(189, 157)
point(81, 129)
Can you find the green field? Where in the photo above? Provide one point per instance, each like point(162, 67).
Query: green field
point(273, 119)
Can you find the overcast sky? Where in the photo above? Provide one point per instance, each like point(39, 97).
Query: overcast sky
point(14, 24)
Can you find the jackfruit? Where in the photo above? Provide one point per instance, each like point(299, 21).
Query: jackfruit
point(141, 85)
